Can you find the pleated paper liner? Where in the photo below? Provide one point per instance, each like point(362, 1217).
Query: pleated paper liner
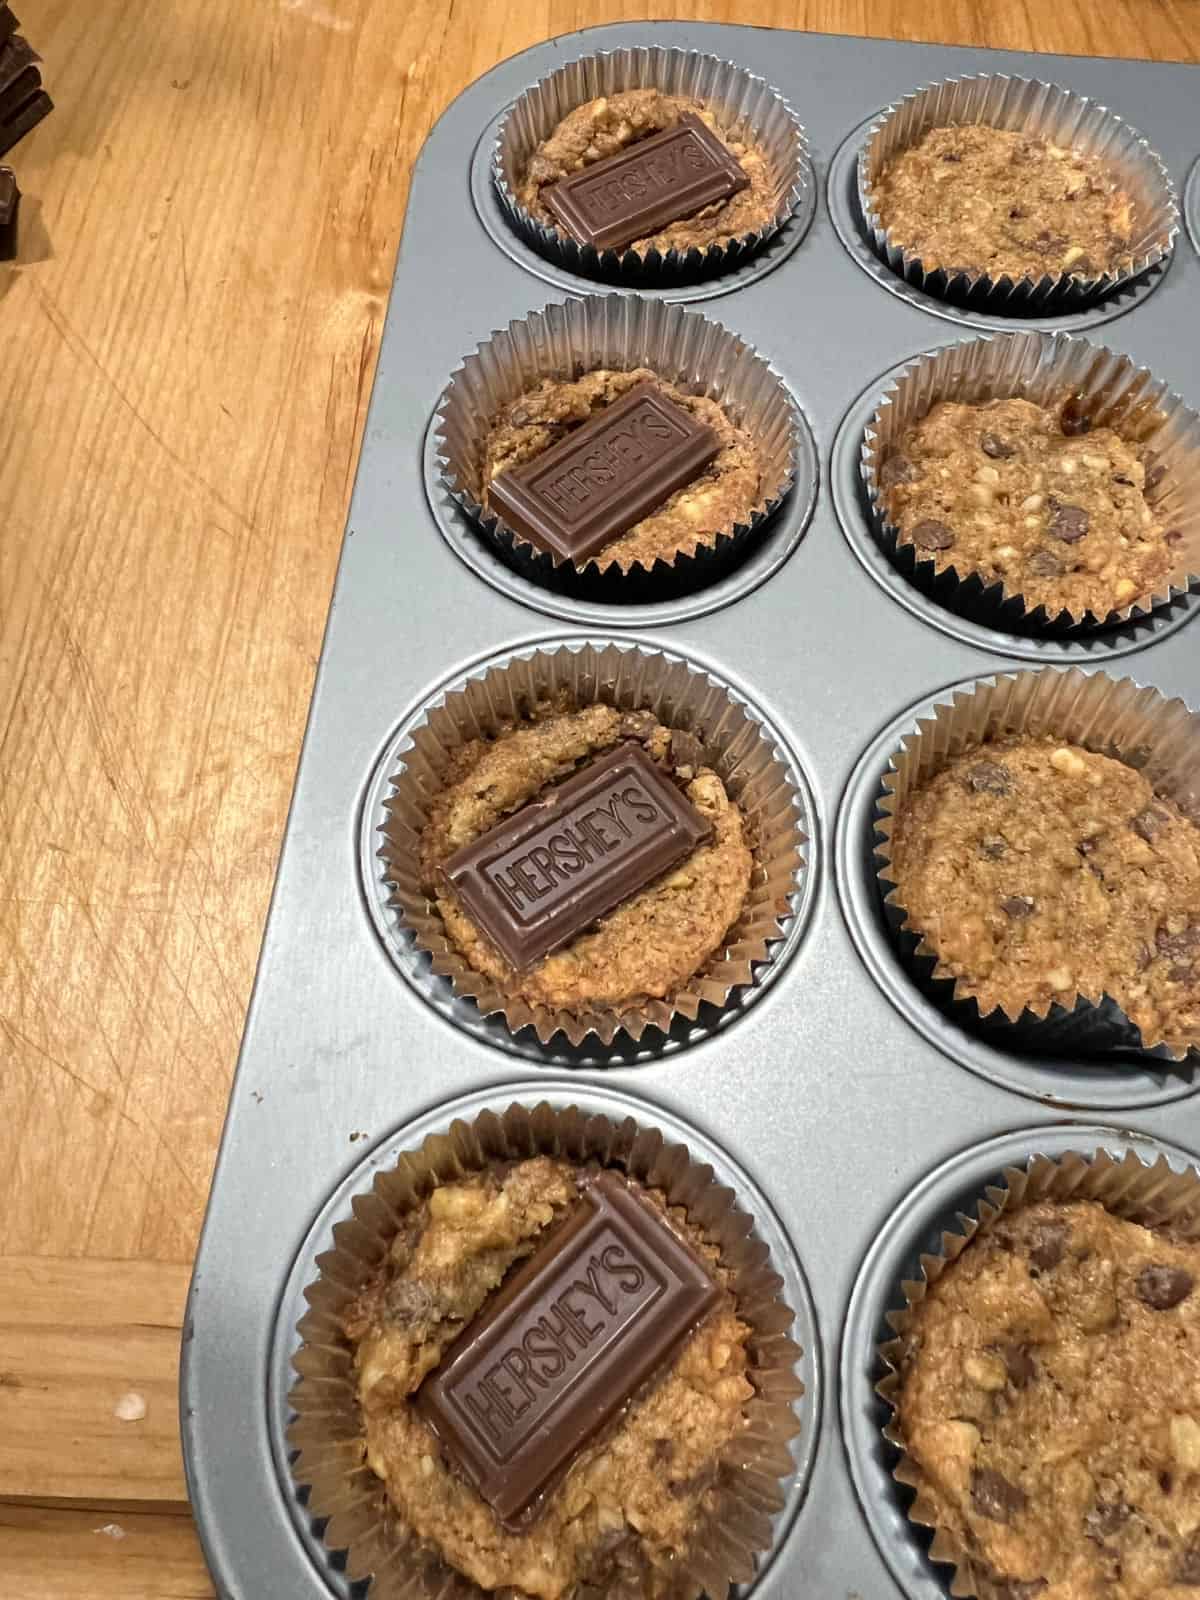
point(621, 333)
point(327, 1430)
point(756, 774)
point(745, 107)
point(1101, 389)
point(1024, 105)
point(1153, 1194)
point(1112, 717)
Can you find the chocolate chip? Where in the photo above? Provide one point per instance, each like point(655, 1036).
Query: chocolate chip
point(897, 469)
point(1047, 243)
point(990, 777)
point(1086, 846)
point(1188, 1570)
point(1018, 905)
point(950, 155)
point(930, 535)
point(1047, 1244)
point(1068, 523)
point(1177, 944)
point(1181, 974)
point(993, 445)
point(1161, 1287)
point(1017, 212)
point(1150, 822)
point(1019, 1364)
point(994, 1496)
point(664, 1449)
point(1073, 420)
point(1165, 1482)
point(1105, 1518)
point(686, 750)
point(1044, 564)
point(992, 846)
point(1119, 477)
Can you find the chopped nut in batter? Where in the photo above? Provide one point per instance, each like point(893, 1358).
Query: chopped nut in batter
point(1050, 1395)
point(653, 942)
point(728, 491)
point(618, 1522)
point(603, 127)
point(1058, 516)
point(992, 201)
point(1037, 870)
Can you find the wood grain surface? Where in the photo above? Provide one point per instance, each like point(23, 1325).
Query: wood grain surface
point(210, 226)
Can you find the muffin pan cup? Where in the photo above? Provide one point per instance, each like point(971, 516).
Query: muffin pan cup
point(1027, 106)
point(825, 1091)
point(745, 107)
point(327, 1427)
point(1114, 717)
point(728, 738)
point(619, 333)
point(1102, 390)
point(1150, 1191)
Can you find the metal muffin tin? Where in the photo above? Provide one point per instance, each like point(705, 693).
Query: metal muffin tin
point(860, 1118)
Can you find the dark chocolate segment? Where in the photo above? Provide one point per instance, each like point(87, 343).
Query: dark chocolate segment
point(23, 101)
point(539, 877)
point(596, 483)
point(563, 1346)
point(10, 202)
point(642, 188)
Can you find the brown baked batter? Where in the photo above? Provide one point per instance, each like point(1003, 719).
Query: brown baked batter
point(988, 200)
point(1000, 489)
point(1050, 1395)
point(728, 491)
point(1037, 869)
point(653, 942)
point(602, 127)
point(628, 1506)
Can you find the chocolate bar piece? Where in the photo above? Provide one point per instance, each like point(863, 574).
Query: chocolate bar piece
point(563, 1346)
point(23, 101)
point(541, 876)
point(639, 190)
point(10, 201)
point(8, 23)
point(604, 477)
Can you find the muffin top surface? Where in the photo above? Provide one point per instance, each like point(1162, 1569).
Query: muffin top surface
point(1050, 1396)
point(1038, 870)
point(655, 941)
point(725, 493)
point(1000, 489)
point(616, 1524)
point(988, 200)
point(606, 126)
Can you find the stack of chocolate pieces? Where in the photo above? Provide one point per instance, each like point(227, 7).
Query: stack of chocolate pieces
point(23, 104)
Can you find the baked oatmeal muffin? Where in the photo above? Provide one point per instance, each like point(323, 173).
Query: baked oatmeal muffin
point(1038, 870)
point(655, 940)
point(633, 1497)
point(996, 202)
point(603, 127)
point(724, 494)
point(1049, 1394)
point(1016, 493)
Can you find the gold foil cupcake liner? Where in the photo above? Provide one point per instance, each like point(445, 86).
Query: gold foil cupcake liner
point(1024, 105)
point(1110, 716)
point(1102, 390)
point(622, 333)
point(327, 1430)
point(729, 739)
point(1152, 1194)
point(746, 109)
